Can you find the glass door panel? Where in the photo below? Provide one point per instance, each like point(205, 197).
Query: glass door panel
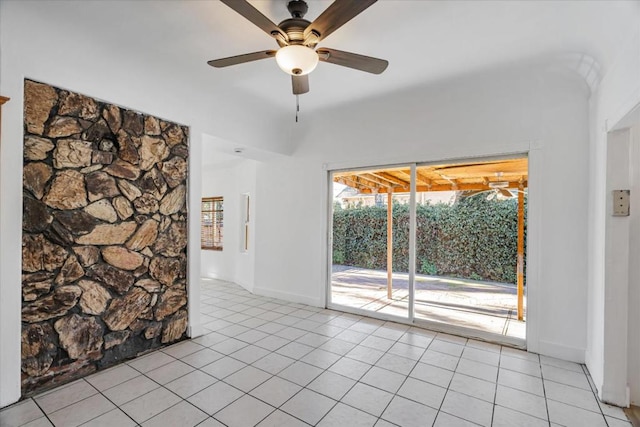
point(370, 241)
point(470, 246)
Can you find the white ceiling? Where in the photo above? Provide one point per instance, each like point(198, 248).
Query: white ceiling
point(424, 41)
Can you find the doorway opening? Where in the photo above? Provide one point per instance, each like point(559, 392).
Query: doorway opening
point(438, 245)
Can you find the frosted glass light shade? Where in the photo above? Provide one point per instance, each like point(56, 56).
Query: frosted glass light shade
point(297, 60)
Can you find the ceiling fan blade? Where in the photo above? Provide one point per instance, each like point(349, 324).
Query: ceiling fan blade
point(241, 59)
point(335, 16)
point(505, 192)
point(252, 14)
point(300, 84)
point(353, 60)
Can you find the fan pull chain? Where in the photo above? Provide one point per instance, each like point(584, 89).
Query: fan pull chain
point(297, 106)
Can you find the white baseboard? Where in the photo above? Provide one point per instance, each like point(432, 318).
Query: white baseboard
point(246, 286)
point(615, 397)
point(218, 277)
point(560, 351)
point(288, 296)
point(194, 331)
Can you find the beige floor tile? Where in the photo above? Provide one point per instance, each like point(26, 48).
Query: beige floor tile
point(20, 413)
point(112, 418)
point(65, 396)
point(40, 422)
point(82, 411)
point(275, 391)
point(215, 397)
point(407, 413)
point(111, 377)
point(342, 415)
point(369, 399)
point(299, 406)
point(468, 408)
point(169, 372)
point(247, 378)
point(246, 411)
point(150, 404)
point(183, 414)
point(332, 385)
point(281, 419)
point(129, 390)
point(190, 384)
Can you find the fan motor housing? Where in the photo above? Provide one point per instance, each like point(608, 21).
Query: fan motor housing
point(294, 27)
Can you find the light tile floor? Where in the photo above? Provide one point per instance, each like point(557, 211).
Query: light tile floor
point(267, 362)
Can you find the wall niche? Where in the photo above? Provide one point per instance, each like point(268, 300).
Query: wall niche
point(104, 235)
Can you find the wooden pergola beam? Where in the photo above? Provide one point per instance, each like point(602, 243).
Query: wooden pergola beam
point(425, 180)
point(390, 244)
point(520, 261)
point(384, 178)
point(363, 188)
point(445, 187)
point(376, 180)
point(367, 182)
point(393, 179)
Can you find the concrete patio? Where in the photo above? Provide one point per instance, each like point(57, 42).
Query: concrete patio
point(486, 306)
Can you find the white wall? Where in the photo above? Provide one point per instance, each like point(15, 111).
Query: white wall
point(495, 113)
point(633, 332)
point(231, 180)
point(289, 225)
point(608, 286)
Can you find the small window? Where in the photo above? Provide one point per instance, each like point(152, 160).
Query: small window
point(212, 223)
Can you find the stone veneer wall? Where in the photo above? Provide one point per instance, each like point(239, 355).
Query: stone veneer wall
point(104, 235)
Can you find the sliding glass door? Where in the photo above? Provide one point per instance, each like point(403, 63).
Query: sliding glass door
point(440, 245)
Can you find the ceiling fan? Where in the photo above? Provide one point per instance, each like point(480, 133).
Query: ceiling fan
point(497, 190)
point(298, 39)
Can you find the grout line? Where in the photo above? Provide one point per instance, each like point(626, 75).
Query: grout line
point(495, 391)
point(544, 391)
point(595, 395)
point(113, 403)
point(43, 412)
point(450, 381)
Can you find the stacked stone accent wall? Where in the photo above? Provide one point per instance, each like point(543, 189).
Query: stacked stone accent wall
point(104, 259)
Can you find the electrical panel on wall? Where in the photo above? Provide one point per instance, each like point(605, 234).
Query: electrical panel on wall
point(621, 202)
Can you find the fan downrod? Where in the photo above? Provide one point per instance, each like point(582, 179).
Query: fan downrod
point(297, 8)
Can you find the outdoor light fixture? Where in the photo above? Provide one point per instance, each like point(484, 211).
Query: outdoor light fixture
point(499, 184)
point(297, 60)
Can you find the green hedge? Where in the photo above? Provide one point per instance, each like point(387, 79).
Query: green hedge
point(474, 238)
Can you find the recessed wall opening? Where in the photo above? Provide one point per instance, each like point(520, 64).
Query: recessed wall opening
point(439, 245)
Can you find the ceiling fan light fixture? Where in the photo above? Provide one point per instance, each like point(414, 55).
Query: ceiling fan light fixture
point(297, 60)
point(499, 184)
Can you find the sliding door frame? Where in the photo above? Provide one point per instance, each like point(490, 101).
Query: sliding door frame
point(533, 154)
